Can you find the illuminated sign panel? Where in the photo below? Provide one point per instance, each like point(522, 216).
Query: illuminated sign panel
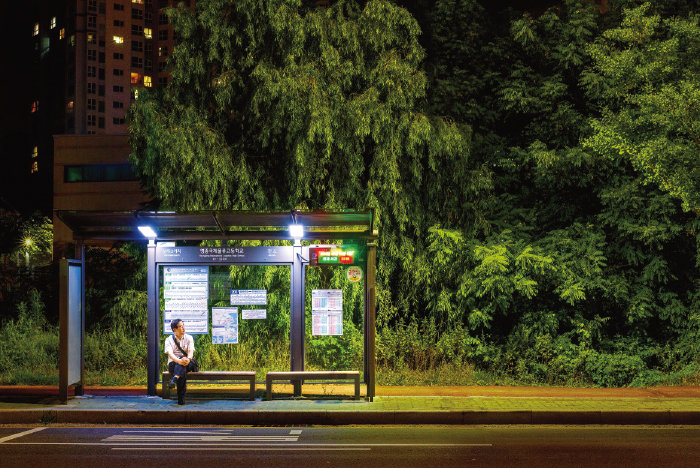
point(345, 255)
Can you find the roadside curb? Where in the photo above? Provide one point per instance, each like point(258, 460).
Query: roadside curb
point(333, 418)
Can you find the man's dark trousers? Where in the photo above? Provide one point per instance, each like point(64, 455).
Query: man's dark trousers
point(180, 371)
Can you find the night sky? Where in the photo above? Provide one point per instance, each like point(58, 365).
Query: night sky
point(16, 85)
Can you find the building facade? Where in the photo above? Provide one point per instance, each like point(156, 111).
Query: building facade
point(90, 60)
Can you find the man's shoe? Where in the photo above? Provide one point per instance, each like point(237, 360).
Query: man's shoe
point(172, 383)
point(180, 401)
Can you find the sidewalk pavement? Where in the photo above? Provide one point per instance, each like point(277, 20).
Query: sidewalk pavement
point(329, 405)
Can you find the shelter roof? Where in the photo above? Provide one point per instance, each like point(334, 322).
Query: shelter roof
point(221, 225)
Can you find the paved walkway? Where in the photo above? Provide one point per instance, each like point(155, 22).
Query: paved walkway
point(328, 405)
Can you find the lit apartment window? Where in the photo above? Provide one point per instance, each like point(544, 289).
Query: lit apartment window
point(148, 33)
point(118, 23)
point(53, 22)
point(36, 29)
point(163, 35)
point(92, 54)
point(118, 56)
point(62, 33)
point(136, 30)
point(118, 39)
point(163, 51)
point(92, 104)
point(118, 72)
point(92, 21)
point(118, 89)
point(147, 81)
point(136, 13)
point(91, 71)
point(35, 107)
point(91, 120)
point(138, 2)
point(135, 78)
point(91, 38)
point(69, 106)
point(118, 7)
point(72, 40)
point(92, 88)
point(35, 152)
point(35, 167)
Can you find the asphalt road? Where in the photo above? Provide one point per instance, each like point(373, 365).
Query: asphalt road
point(362, 446)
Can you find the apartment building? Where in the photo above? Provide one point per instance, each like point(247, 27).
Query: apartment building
point(91, 58)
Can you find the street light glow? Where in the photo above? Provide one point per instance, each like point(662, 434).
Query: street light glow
point(296, 231)
point(28, 242)
point(148, 232)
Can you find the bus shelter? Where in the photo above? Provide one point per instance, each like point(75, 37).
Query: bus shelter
point(170, 237)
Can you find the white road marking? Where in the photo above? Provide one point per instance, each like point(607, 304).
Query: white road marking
point(178, 432)
point(14, 436)
point(202, 438)
point(295, 432)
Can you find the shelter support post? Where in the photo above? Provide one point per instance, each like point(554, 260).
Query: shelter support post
point(297, 316)
point(370, 315)
point(153, 328)
point(80, 255)
point(71, 361)
point(63, 331)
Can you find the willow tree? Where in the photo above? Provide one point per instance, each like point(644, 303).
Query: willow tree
point(279, 104)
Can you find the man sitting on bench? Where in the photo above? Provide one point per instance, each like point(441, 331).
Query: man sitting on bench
point(180, 348)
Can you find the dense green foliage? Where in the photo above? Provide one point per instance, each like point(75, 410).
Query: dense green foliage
point(535, 176)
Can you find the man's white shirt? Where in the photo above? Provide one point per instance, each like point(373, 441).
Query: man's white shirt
point(186, 343)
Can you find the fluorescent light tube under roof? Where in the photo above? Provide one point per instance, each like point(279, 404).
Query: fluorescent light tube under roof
point(148, 232)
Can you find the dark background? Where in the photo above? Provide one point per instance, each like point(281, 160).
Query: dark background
point(16, 80)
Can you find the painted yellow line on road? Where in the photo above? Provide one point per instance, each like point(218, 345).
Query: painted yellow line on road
point(256, 448)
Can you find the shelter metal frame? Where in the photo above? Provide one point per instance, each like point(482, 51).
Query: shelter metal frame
point(329, 226)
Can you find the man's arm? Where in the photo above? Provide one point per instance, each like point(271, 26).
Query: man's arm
point(169, 350)
point(190, 350)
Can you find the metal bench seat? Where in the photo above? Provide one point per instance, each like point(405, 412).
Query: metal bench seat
point(300, 376)
point(230, 376)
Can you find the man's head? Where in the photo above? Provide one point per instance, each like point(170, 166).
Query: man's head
point(178, 327)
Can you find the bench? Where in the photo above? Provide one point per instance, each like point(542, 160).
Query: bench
point(299, 376)
point(231, 376)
